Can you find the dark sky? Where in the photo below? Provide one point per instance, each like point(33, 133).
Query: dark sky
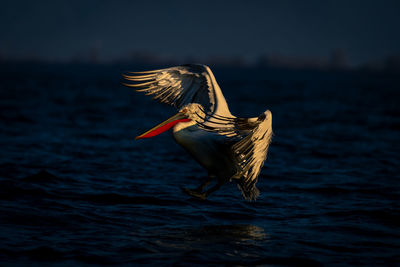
point(63, 30)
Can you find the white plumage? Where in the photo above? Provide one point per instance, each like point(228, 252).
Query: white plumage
point(230, 148)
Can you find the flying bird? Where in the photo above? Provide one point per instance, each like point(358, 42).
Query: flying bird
point(228, 147)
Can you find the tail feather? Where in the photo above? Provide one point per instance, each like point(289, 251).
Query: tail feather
point(249, 193)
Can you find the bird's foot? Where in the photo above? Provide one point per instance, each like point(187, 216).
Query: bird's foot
point(194, 193)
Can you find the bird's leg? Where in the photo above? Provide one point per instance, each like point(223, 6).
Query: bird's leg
point(212, 189)
point(198, 192)
point(202, 195)
point(204, 184)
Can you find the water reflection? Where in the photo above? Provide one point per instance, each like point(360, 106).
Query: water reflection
point(236, 232)
point(209, 236)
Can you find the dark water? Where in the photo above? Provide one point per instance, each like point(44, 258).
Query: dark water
point(75, 188)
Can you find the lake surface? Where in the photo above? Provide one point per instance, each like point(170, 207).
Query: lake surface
point(76, 188)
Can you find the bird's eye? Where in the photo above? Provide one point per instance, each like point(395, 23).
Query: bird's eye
point(184, 110)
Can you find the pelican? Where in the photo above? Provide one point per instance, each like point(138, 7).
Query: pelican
point(228, 147)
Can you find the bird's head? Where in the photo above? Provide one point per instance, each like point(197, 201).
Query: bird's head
point(193, 111)
point(190, 112)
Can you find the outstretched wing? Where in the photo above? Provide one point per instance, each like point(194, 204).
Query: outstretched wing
point(252, 138)
point(251, 151)
point(182, 85)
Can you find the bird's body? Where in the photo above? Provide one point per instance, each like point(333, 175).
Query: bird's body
point(208, 149)
point(226, 146)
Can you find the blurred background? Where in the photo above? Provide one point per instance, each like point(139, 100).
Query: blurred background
point(329, 34)
point(77, 189)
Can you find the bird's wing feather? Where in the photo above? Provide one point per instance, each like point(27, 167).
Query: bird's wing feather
point(182, 85)
point(252, 138)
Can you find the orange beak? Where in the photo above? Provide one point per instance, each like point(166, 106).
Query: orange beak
point(164, 126)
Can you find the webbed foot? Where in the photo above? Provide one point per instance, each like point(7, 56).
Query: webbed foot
point(194, 193)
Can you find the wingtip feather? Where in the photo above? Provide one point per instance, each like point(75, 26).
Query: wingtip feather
point(144, 72)
point(138, 84)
